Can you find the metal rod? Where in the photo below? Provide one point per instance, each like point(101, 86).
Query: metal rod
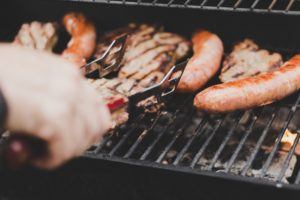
point(277, 142)
point(238, 2)
point(198, 131)
point(170, 3)
point(176, 135)
point(288, 158)
point(204, 146)
point(220, 3)
point(126, 135)
point(290, 4)
point(226, 139)
point(276, 146)
point(272, 4)
point(297, 181)
point(259, 143)
point(154, 2)
point(186, 3)
point(103, 142)
point(203, 3)
point(153, 144)
point(254, 4)
point(141, 136)
point(241, 144)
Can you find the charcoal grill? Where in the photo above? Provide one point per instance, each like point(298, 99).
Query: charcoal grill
point(242, 147)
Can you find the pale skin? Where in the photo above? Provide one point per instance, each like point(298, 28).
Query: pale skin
point(48, 98)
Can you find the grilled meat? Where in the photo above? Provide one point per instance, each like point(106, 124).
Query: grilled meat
point(115, 93)
point(252, 91)
point(148, 50)
point(208, 52)
point(83, 42)
point(37, 35)
point(247, 60)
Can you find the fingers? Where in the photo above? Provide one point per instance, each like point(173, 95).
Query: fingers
point(49, 99)
point(85, 124)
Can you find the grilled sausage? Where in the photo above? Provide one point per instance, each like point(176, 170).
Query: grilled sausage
point(83, 41)
point(253, 91)
point(208, 51)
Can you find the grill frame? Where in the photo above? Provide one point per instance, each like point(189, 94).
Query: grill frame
point(142, 162)
point(204, 5)
point(200, 174)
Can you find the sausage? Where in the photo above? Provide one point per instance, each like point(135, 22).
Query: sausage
point(253, 91)
point(204, 64)
point(83, 41)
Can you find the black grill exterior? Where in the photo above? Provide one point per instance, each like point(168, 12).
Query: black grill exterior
point(235, 151)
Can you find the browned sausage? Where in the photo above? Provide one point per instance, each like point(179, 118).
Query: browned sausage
point(253, 91)
point(208, 51)
point(83, 41)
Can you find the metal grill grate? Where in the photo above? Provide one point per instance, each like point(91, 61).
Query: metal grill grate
point(287, 7)
point(243, 144)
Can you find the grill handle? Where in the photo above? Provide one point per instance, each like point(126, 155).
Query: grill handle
point(19, 150)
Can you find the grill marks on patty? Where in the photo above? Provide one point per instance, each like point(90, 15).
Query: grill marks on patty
point(163, 62)
point(145, 60)
point(148, 50)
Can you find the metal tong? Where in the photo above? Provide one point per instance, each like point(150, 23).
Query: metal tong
point(109, 61)
point(161, 91)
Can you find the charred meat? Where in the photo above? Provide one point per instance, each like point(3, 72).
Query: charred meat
point(246, 60)
point(149, 50)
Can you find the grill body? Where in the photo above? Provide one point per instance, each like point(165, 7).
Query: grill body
point(143, 154)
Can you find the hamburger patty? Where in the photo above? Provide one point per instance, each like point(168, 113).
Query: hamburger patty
point(149, 50)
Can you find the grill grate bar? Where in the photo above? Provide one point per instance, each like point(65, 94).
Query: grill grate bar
point(220, 3)
point(170, 2)
point(204, 146)
point(290, 4)
point(186, 3)
point(104, 141)
point(154, 2)
point(203, 3)
point(272, 4)
point(177, 134)
point(198, 131)
point(140, 138)
point(238, 2)
point(226, 139)
point(241, 143)
point(126, 135)
point(297, 181)
point(152, 145)
point(276, 146)
point(259, 144)
point(254, 4)
point(288, 158)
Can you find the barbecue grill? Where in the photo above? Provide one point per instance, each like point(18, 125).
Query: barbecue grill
point(248, 147)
